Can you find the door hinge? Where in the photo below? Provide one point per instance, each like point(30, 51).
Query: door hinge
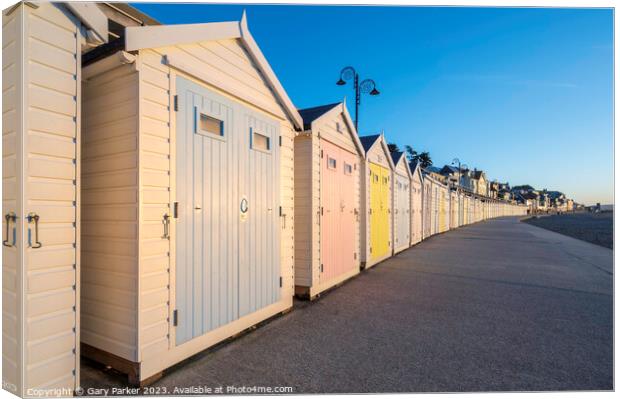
point(321, 153)
point(280, 211)
point(321, 268)
point(280, 281)
point(175, 318)
point(176, 102)
point(175, 210)
point(321, 211)
point(354, 255)
point(280, 140)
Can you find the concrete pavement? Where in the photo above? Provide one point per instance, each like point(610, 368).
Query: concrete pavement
point(497, 306)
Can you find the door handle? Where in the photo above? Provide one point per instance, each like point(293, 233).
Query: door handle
point(283, 216)
point(33, 217)
point(10, 217)
point(166, 223)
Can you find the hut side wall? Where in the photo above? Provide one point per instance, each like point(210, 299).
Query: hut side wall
point(41, 119)
point(307, 244)
point(156, 124)
point(12, 187)
point(110, 212)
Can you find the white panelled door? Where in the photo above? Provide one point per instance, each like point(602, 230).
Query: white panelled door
point(227, 218)
point(402, 218)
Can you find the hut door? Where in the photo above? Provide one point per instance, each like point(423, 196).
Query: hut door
point(258, 213)
point(386, 206)
point(379, 211)
point(401, 211)
point(227, 252)
point(338, 219)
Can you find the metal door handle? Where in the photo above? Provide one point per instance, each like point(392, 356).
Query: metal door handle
point(283, 220)
point(166, 223)
point(33, 217)
point(10, 217)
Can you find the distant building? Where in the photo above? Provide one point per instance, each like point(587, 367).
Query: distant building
point(493, 189)
point(505, 194)
point(451, 173)
point(435, 172)
point(475, 181)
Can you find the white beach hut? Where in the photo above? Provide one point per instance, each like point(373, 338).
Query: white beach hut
point(401, 203)
point(417, 188)
point(188, 189)
point(41, 72)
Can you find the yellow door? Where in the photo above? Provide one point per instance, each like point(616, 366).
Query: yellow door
point(379, 211)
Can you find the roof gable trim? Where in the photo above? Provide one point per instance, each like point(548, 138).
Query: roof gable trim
point(92, 17)
point(403, 159)
point(141, 37)
point(417, 171)
point(386, 151)
point(337, 110)
point(261, 62)
point(174, 62)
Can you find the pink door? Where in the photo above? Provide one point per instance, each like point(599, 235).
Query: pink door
point(338, 211)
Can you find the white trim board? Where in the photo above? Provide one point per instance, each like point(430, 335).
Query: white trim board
point(141, 37)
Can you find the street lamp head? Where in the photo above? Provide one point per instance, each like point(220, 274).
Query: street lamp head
point(374, 92)
point(368, 86)
point(347, 73)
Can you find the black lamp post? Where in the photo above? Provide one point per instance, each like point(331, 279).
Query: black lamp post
point(365, 86)
point(457, 161)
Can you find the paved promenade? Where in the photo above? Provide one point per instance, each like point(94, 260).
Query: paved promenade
point(497, 306)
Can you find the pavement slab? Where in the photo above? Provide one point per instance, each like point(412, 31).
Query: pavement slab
point(495, 306)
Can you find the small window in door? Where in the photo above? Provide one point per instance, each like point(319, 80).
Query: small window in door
point(348, 169)
point(259, 141)
point(331, 163)
point(209, 125)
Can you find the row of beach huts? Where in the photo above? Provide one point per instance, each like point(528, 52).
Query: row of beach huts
point(161, 193)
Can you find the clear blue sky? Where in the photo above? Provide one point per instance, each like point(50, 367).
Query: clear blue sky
point(523, 94)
